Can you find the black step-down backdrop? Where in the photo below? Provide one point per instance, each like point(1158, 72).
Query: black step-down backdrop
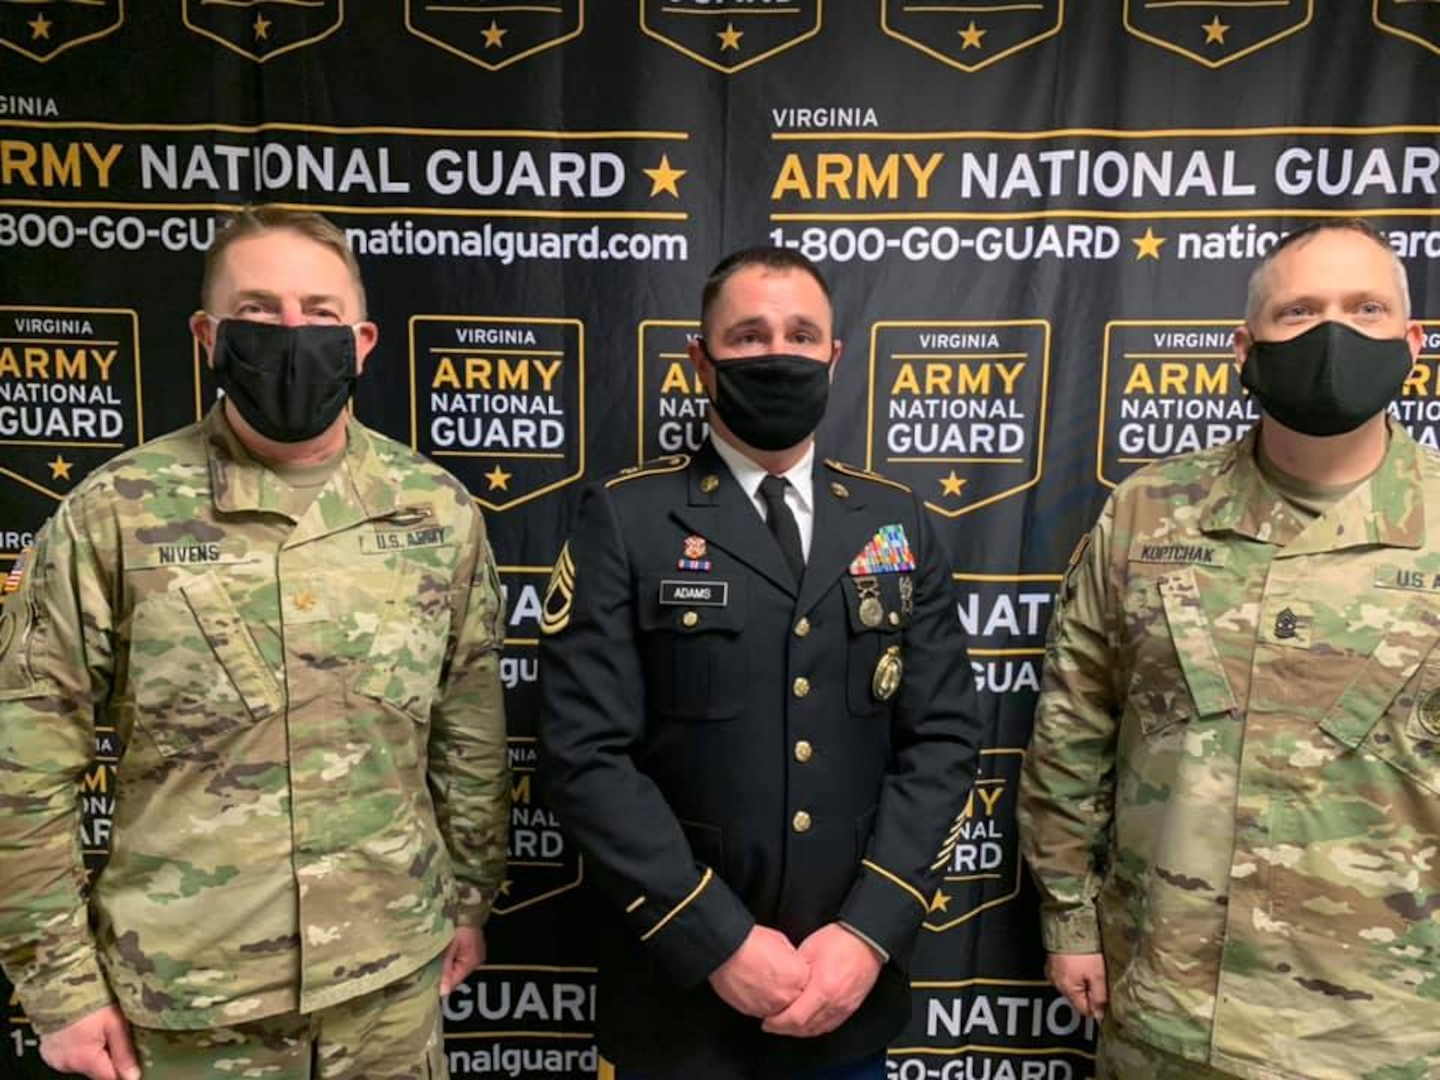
point(1037, 218)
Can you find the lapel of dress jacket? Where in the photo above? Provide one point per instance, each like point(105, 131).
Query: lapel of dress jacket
point(725, 517)
point(842, 529)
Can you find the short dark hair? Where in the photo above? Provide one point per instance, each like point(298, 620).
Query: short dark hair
point(1256, 292)
point(251, 221)
point(772, 258)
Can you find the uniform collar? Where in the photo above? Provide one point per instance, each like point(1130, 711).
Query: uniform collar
point(748, 474)
point(1386, 509)
point(360, 488)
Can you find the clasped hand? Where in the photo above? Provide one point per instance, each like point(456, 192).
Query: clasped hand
point(801, 992)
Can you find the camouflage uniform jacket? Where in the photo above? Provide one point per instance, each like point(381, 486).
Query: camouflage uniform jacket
point(1234, 785)
point(314, 781)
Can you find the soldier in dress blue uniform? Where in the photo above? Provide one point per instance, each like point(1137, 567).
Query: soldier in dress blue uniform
point(757, 717)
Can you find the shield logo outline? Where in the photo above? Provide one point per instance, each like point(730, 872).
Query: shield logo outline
point(1042, 405)
point(204, 31)
point(82, 39)
point(958, 63)
point(577, 875)
point(1014, 886)
point(1400, 31)
point(642, 361)
point(579, 419)
point(133, 343)
point(1106, 368)
point(478, 61)
point(730, 69)
point(1154, 38)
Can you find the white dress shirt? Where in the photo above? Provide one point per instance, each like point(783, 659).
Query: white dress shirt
point(799, 494)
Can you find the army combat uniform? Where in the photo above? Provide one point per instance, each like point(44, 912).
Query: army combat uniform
point(729, 745)
point(1234, 787)
point(314, 787)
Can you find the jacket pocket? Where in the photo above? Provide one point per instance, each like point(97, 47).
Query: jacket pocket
point(876, 615)
point(411, 638)
point(694, 653)
point(197, 671)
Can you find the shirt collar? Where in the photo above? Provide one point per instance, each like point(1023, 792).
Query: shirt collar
point(748, 474)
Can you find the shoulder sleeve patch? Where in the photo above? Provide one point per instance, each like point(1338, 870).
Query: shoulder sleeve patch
point(559, 594)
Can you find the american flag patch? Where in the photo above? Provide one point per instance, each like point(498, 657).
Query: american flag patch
point(17, 573)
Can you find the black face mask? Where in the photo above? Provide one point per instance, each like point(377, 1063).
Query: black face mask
point(771, 402)
point(288, 382)
point(1327, 381)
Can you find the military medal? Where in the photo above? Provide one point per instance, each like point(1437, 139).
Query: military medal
point(888, 672)
point(694, 557)
point(872, 610)
point(888, 552)
point(907, 595)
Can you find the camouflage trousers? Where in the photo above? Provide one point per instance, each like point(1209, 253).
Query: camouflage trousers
point(393, 1033)
point(1122, 1058)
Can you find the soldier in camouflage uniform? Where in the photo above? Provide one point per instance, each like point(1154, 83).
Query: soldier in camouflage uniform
point(292, 623)
point(1232, 802)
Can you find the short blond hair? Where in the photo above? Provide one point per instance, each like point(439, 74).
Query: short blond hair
point(256, 220)
point(1257, 293)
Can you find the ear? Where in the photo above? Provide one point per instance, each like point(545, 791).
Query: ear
point(1240, 342)
point(836, 348)
point(1415, 338)
point(700, 360)
point(367, 334)
point(202, 329)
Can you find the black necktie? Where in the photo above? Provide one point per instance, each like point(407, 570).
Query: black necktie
point(782, 523)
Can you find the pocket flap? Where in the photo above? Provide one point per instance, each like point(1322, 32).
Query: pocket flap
point(878, 603)
point(232, 644)
point(1391, 664)
point(1194, 645)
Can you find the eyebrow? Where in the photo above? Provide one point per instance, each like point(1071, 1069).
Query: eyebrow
point(1351, 296)
point(753, 323)
point(307, 301)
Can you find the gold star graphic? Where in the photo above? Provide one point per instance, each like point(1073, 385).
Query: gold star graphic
point(1215, 31)
point(730, 37)
point(664, 178)
point(494, 35)
point(970, 37)
point(39, 27)
point(60, 468)
point(1147, 246)
point(262, 27)
point(941, 901)
point(952, 483)
point(499, 479)
point(505, 887)
point(305, 601)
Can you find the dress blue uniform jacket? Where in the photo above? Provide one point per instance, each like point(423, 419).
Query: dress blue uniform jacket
point(729, 746)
